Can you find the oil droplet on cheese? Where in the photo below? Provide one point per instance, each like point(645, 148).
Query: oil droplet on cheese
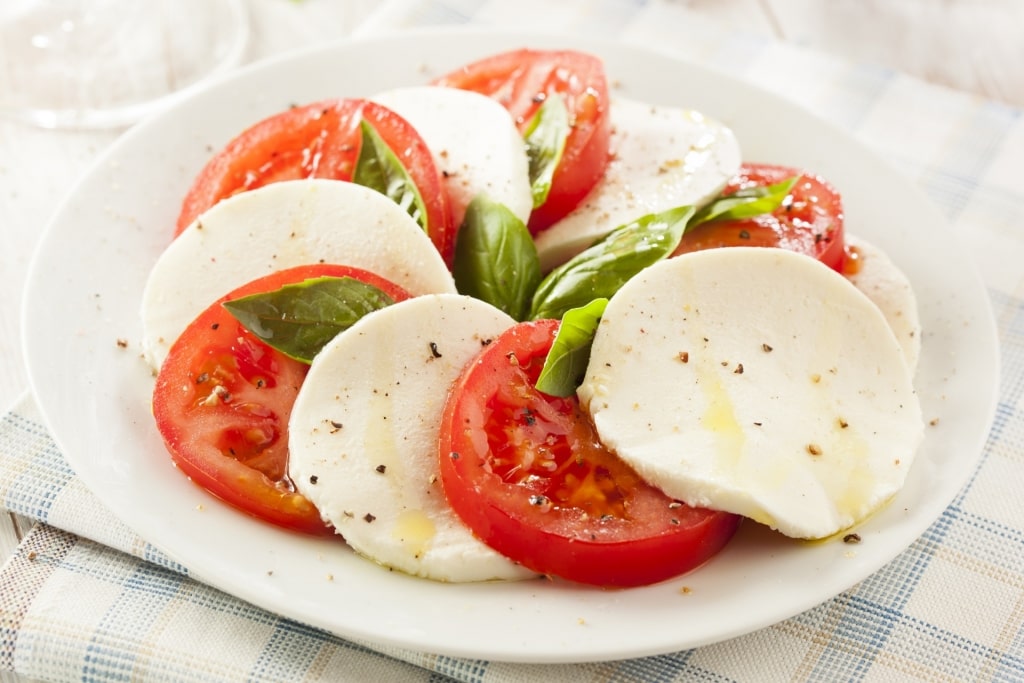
point(854, 488)
point(379, 436)
point(720, 418)
point(415, 530)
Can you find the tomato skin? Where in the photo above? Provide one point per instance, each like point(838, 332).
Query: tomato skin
point(526, 472)
point(319, 140)
point(811, 221)
point(222, 401)
point(520, 80)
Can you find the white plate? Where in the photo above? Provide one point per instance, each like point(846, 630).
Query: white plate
point(84, 292)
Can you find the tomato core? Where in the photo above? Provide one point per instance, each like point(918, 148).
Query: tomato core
point(546, 446)
point(230, 376)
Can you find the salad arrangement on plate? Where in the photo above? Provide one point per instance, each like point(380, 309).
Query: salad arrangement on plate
point(482, 329)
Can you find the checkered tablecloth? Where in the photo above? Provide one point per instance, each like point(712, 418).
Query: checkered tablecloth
point(84, 598)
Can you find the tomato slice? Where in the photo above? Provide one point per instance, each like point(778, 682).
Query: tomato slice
point(222, 401)
point(527, 473)
point(319, 140)
point(809, 221)
point(521, 80)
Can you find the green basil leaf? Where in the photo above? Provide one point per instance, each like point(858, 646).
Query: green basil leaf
point(545, 141)
point(746, 203)
point(380, 169)
point(602, 269)
point(299, 319)
point(495, 258)
point(567, 360)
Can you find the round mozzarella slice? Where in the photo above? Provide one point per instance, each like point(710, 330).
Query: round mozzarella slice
point(278, 226)
point(885, 284)
point(364, 434)
point(663, 157)
point(474, 141)
point(756, 381)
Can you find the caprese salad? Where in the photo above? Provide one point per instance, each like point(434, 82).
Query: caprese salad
point(484, 328)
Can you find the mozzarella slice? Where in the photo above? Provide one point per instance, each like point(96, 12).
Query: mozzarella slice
point(663, 157)
point(474, 141)
point(886, 285)
point(756, 381)
point(279, 226)
point(364, 432)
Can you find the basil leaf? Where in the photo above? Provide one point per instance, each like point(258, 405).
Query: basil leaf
point(380, 169)
point(746, 203)
point(607, 265)
point(567, 360)
point(299, 319)
point(545, 141)
point(495, 258)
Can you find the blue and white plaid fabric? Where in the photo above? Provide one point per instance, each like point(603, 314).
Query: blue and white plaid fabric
point(85, 599)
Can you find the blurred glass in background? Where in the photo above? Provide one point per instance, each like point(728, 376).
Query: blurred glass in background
point(108, 63)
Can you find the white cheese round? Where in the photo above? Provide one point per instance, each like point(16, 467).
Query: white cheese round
point(662, 157)
point(364, 436)
point(475, 144)
point(279, 226)
point(886, 285)
point(756, 381)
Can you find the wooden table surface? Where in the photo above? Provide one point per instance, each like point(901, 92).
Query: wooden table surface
point(976, 46)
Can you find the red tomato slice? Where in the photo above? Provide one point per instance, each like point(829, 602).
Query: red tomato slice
point(521, 80)
point(319, 140)
point(222, 402)
point(810, 221)
point(527, 473)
